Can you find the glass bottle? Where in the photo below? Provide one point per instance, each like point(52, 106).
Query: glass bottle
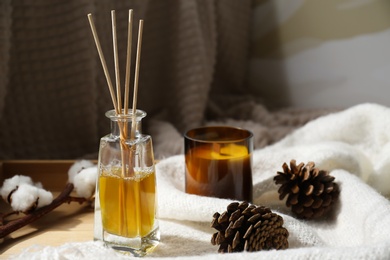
point(126, 201)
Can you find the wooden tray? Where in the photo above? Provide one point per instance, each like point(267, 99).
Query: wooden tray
point(68, 223)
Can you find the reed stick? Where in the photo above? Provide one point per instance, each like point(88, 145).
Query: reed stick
point(123, 130)
point(103, 62)
point(116, 61)
point(128, 62)
point(128, 67)
point(136, 76)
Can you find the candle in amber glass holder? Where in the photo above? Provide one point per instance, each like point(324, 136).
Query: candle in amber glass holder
point(218, 162)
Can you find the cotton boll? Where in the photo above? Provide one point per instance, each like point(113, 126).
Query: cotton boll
point(77, 167)
point(10, 184)
point(24, 197)
point(38, 185)
point(85, 182)
point(45, 198)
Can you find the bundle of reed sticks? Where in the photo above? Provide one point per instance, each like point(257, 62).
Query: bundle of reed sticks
point(117, 98)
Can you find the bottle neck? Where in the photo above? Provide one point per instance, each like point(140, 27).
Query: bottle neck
point(127, 126)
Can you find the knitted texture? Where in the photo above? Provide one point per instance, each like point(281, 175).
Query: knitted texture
point(50, 103)
point(5, 37)
point(53, 92)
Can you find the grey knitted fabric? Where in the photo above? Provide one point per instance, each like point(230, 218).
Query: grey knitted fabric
point(5, 38)
point(53, 93)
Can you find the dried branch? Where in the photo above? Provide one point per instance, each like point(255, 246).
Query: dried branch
point(63, 197)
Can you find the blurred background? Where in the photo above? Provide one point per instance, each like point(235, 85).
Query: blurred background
point(266, 65)
point(321, 53)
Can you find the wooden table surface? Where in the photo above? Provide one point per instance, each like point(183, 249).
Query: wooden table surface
point(68, 223)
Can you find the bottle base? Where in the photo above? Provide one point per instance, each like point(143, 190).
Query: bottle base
point(139, 246)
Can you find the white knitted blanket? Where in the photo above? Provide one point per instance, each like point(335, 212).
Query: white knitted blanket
point(354, 145)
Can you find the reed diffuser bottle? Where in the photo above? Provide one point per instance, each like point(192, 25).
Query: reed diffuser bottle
point(126, 201)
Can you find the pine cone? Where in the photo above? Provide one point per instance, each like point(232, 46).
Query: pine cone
point(248, 227)
point(311, 192)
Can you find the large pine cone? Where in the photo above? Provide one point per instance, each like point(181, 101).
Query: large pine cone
point(248, 227)
point(311, 192)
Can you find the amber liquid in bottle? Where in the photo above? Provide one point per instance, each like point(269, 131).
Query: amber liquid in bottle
point(127, 204)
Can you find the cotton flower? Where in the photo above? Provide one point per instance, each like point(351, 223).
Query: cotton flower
point(12, 183)
point(83, 175)
point(24, 195)
point(85, 182)
point(45, 198)
point(77, 167)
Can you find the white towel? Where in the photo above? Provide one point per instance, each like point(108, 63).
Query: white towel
point(354, 145)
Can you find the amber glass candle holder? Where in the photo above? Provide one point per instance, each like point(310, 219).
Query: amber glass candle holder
point(218, 162)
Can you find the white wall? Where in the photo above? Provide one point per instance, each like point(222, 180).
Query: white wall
point(314, 54)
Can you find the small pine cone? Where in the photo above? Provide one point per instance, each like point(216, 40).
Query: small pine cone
point(248, 227)
point(311, 192)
